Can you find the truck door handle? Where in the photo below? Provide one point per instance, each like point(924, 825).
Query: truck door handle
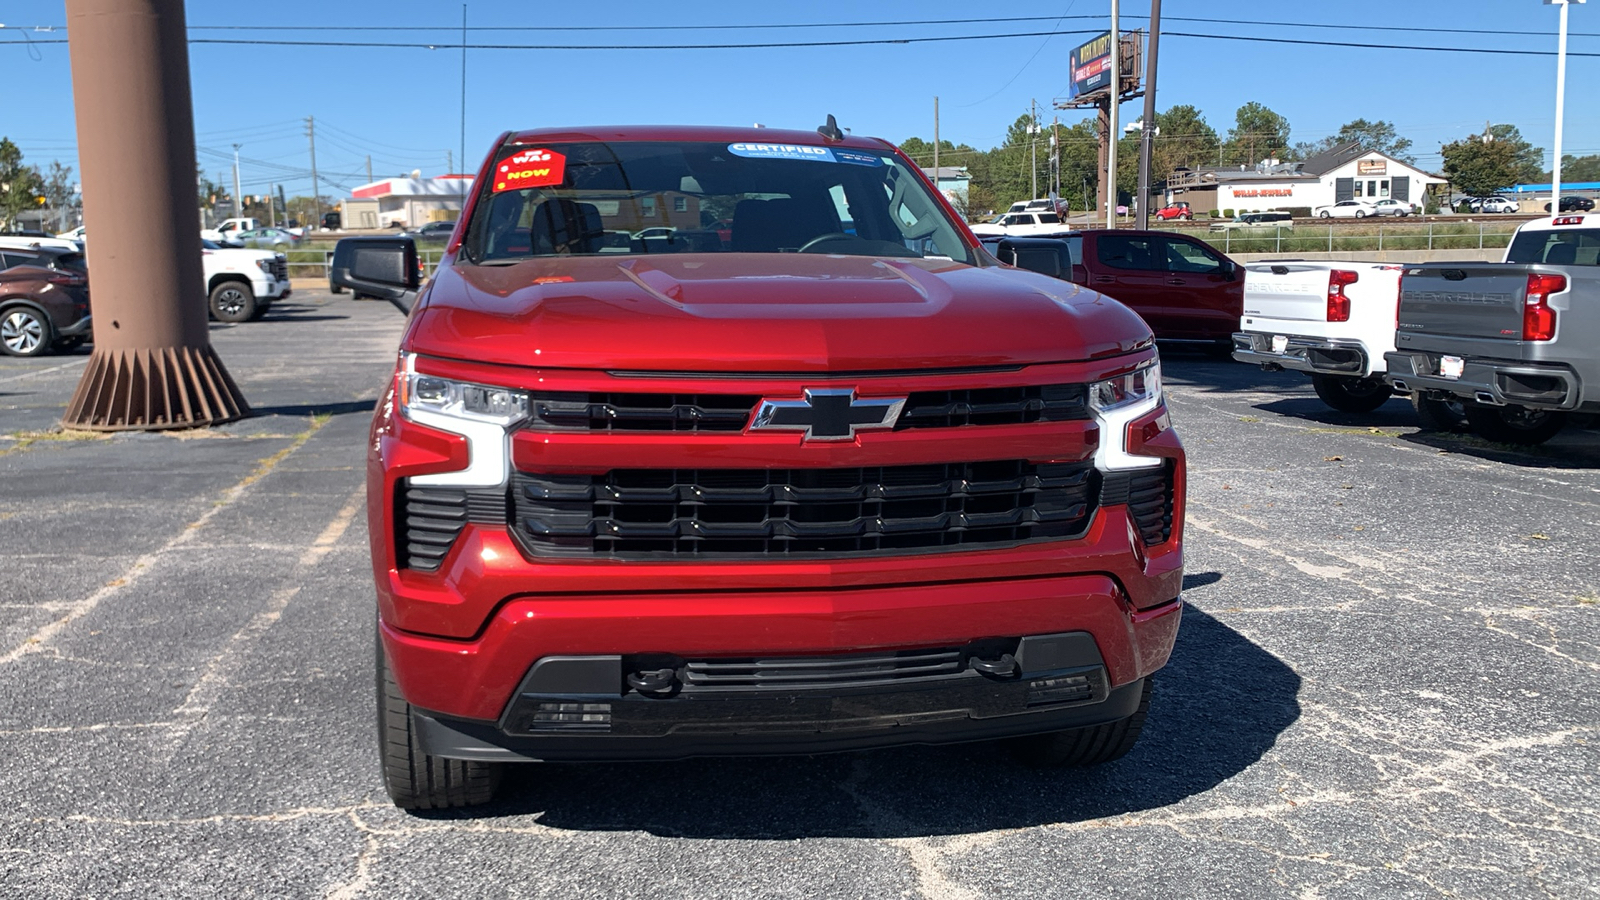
point(1104, 279)
point(1176, 281)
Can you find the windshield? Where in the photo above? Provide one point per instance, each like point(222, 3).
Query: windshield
point(595, 198)
point(1574, 247)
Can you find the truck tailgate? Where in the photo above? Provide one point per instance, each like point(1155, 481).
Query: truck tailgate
point(1292, 292)
point(1471, 300)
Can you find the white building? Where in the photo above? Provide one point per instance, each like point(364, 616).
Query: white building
point(415, 201)
point(1343, 173)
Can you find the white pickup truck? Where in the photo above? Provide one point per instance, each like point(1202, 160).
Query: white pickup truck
point(1331, 320)
point(227, 228)
point(241, 284)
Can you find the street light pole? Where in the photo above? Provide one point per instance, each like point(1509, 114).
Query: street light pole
point(238, 199)
point(1561, 97)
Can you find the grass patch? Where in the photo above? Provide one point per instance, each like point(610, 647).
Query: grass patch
point(26, 439)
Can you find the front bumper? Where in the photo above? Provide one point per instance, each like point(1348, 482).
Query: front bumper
point(1491, 382)
point(273, 289)
point(1303, 354)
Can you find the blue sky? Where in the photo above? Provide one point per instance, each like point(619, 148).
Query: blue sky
point(402, 106)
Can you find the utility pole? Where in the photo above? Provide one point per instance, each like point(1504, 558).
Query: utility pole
point(238, 198)
point(1111, 123)
point(936, 143)
point(369, 168)
point(449, 162)
point(272, 205)
point(1033, 147)
point(1561, 97)
point(1147, 133)
point(316, 203)
point(462, 182)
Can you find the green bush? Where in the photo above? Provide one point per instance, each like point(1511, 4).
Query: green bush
point(1299, 212)
point(1215, 214)
point(1227, 213)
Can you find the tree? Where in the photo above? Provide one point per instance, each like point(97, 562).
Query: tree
point(19, 184)
point(209, 191)
point(1258, 133)
point(1479, 167)
point(1185, 140)
point(1527, 160)
point(58, 192)
point(1579, 168)
point(1380, 136)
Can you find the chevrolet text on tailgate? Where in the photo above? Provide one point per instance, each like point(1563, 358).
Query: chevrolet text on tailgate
point(731, 441)
point(1515, 344)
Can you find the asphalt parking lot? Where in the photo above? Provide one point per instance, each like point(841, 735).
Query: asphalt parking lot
point(1385, 685)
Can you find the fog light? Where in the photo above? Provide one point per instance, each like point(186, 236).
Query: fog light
point(557, 716)
point(1059, 689)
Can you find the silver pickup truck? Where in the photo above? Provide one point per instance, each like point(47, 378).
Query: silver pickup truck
point(1516, 344)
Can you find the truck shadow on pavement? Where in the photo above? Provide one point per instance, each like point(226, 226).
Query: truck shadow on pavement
point(1219, 705)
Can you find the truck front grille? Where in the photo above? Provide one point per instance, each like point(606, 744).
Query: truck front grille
point(280, 267)
point(762, 512)
point(429, 519)
point(622, 412)
point(810, 672)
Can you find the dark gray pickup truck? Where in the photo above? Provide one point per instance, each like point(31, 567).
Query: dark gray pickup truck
point(1515, 346)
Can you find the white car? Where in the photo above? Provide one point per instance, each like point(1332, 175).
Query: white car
point(1021, 224)
point(1331, 320)
point(1346, 209)
point(76, 235)
point(1492, 205)
point(30, 242)
point(241, 284)
point(1392, 207)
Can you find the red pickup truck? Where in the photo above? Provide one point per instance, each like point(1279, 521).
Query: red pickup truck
point(735, 441)
point(1186, 290)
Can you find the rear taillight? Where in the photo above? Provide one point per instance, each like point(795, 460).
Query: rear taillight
point(66, 279)
point(1338, 303)
point(1538, 319)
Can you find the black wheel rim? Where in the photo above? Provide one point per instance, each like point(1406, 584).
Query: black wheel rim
point(230, 301)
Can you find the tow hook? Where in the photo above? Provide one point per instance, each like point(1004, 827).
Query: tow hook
point(655, 681)
point(1004, 667)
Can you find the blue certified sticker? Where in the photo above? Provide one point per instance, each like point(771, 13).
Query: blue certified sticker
point(782, 151)
point(858, 158)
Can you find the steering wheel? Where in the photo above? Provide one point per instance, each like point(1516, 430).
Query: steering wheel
point(832, 237)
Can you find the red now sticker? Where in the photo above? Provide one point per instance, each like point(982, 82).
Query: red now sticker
point(530, 168)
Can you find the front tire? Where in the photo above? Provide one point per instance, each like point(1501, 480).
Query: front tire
point(1089, 746)
point(25, 331)
point(1351, 395)
point(1324, 215)
point(1360, 214)
point(416, 780)
point(1515, 424)
point(233, 301)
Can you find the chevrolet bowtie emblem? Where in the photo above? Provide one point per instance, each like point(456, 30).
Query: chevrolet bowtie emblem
point(828, 414)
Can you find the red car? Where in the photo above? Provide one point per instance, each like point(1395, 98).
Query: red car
point(1178, 210)
point(843, 482)
point(44, 300)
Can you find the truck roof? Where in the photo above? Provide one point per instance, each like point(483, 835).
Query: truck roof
point(716, 133)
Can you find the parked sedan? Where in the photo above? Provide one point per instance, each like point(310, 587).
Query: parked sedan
point(44, 301)
point(1346, 209)
point(1389, 206)
point(266, 239)
point(1492, 205)
point(1573, 203)
point(431, 233)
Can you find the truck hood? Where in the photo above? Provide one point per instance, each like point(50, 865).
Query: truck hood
point(764, 313)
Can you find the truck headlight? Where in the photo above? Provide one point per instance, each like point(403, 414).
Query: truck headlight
point(483, 414)
point(264, 265)
point(1118, 401)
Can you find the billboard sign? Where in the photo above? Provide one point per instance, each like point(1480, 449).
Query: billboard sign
point(1091, 67)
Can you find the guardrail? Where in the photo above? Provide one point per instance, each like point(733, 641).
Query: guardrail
point(313, 262)
point(1360, 238)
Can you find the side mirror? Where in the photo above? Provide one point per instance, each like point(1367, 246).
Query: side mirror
point(383, 267)
point(1047, 256)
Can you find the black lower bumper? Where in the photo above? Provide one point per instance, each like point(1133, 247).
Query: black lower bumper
point(580, 708)
point(1490, 382)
